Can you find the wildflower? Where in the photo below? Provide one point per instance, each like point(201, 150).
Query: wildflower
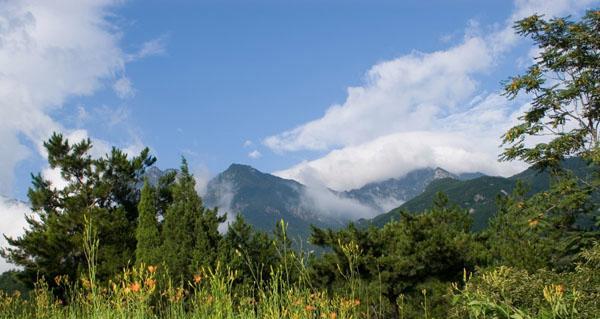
point(560, 289)
point(533, 222)
point(86, 283)
point(150, 283)
point(135, 287)
point(197, 278)
point(333, 315)
point(310, 308)
point(152, 269)
point(356, 302)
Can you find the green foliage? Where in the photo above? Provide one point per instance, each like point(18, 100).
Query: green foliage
point(479, 195)
point(564, 84)
point(506, 292)
point(102, 188)
point(546, 230)
point(190, 231)
point(402, 258)
point(10, 283)
point(147, 234)
point(251, 253)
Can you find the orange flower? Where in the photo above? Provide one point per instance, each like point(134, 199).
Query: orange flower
point(151, 283)
point(135, 287)
point(333, 315)
point(197, 278)
point(356, 302)
point(310, 308)
point(152, 269)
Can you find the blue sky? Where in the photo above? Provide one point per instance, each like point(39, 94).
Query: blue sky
point(214, 80)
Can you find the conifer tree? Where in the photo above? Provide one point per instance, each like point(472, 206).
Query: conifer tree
point(207, 239)
point(147, 234)
point(249, 252)
point(99, 189)
point(179, 225)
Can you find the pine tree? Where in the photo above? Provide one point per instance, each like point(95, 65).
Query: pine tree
point(147, 234)
point(179, 225)
point(100, 189)
point(207, 238)
point(190, 231)
point(249, 252)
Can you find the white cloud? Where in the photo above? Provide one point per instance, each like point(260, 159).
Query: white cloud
point(255, 154)
point(124, 88)
point(397, 154)
point(202, 176)
point(50, 51)
point(418, 110)
point(12, 214)
point(225, 192)
point(404, 94)
point(248, 143)
point(320, 199)
point(150, 48)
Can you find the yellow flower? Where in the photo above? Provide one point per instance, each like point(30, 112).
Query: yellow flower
point(86, 283)
point(533, 222)
point(560, 289)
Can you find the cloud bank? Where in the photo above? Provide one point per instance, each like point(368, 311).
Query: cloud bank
point(418, 110)
point(12, 214)
point(51, 51)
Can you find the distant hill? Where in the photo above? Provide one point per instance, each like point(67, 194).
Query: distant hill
point(264, 199)
point(392, 192)
point(478, 195)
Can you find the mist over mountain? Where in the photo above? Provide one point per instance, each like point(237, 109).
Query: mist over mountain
point(263, 199)
point(393, 192)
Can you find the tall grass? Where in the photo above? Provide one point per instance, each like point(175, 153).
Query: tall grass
point(147, 291)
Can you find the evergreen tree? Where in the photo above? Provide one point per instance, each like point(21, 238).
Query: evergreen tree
point(103, 189)
point(206, 243)
point(178, 226)
point(251, 253)
point(147, 234)
point(190, 231)
point(424, 251)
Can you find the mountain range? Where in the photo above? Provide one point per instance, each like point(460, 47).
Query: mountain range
point(478, 195)
point(264, 199)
